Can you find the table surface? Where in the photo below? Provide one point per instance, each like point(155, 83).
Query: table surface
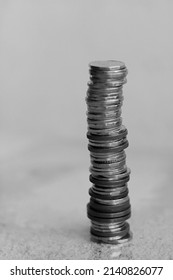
point(44, 192)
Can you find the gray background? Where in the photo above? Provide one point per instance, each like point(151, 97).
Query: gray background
point(45, 48)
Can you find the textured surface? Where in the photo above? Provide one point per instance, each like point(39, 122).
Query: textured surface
point(43, 196)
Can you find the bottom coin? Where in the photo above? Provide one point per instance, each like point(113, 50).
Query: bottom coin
point(112, 240)
point(118, 232)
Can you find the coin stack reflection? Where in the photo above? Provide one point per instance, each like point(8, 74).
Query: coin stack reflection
point(109, 206)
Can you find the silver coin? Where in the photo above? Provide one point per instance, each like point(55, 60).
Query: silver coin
point(107, 90)
point(112, 240)
point(107, 143)
point(103, 75)
point(114, 177)
point(108, 172)
point(107, 65)
point(112, 191)
point(107, 84)
point(115, 227)
point(111, 157)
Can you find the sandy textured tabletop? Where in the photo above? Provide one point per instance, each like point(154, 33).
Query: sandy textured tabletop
point(43, 196)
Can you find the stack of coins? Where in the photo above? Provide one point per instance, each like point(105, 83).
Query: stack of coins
point(109, 205)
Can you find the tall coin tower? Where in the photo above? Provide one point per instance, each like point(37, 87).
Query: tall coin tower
point(109, 206)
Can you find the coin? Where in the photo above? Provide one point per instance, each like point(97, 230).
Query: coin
point(107, 65)
point(117, 206)
point(107, 190)
point(112, 183)
point(109, 220)
point(120, 213)
point(122, 231)
point(112, 240)
point(119, 134)
point(108, 196)
point(110, 149)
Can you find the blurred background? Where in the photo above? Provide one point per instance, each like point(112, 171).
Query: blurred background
point(45, 48)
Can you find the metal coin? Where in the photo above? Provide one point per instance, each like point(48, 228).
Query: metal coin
point(108, 215)
point(107, 190)
point(108, 157)
point(120, 134)
point(107, 65)
point(109, 220)
point(106, 196)
point(103, 75)
point(122, 231)
point(113, 183)
point(111, 202)
point(111, 240)
point(104, 208)
point(105, 150)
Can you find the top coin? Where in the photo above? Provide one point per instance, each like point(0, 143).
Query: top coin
point(107, 65)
